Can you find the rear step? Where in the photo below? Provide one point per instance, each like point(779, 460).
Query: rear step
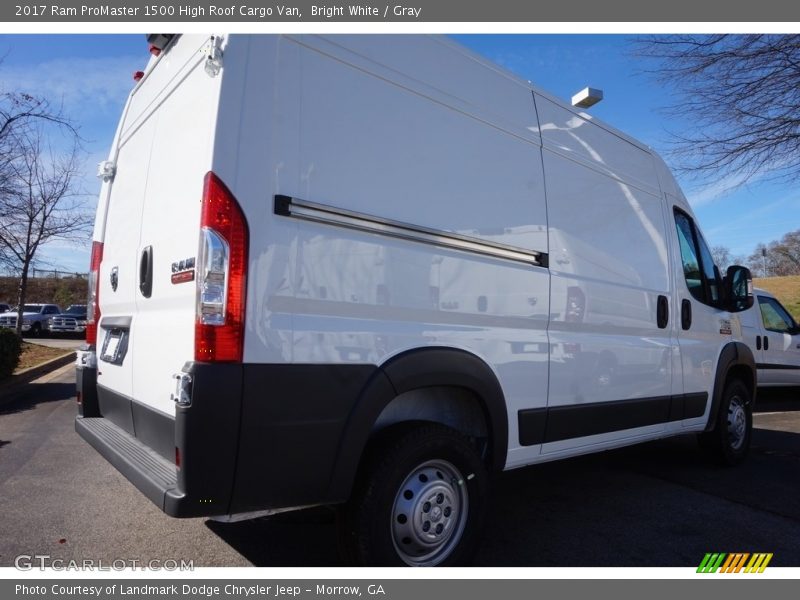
point(147, 470)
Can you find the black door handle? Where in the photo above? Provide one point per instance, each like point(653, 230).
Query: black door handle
point(686, 314)
point(662, 312)
point(146, 272)
point(758, 342)
point(766, 343)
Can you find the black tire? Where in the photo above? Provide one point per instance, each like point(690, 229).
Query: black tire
point(729, 441)
point(36, 330)
point(418, 473)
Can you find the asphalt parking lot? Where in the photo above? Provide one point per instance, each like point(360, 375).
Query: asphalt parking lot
point(658, 504)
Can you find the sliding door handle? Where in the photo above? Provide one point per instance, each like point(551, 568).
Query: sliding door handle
point(662, 312)
point(686, 314)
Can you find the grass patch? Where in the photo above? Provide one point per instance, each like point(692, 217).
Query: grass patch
point(34, 354)
point(785, 289)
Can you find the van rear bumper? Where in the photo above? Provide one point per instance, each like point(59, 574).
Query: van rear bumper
point(143, 444)
point(151, 473)
point(255, 436)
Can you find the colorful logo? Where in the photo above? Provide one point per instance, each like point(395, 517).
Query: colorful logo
point(736, 562)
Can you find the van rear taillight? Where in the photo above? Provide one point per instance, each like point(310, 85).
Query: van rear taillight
point(93, 303)
point(221, 275)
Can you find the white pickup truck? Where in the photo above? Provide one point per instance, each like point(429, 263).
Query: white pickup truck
point(774, 337)
point(35, 318)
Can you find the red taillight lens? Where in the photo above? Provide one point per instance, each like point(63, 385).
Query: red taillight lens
point(137, 75)
point(221, 276)
point(155, 50)
point(93, 303)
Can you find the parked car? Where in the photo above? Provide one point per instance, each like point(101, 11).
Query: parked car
point(72, 320)
point(4, 307)
point(774, 338)
point(368, 271)
point(35, 318)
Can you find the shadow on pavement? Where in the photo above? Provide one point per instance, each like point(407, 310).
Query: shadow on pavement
point(778, 400)
point(304, 538)
point(37, 393)
point(663, 503)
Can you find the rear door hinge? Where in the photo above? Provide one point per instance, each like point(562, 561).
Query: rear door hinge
point(213, 55)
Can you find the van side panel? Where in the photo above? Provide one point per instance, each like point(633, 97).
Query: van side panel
point(379, 141)
point(610, 363)
point(578, 136)
point(375, 143)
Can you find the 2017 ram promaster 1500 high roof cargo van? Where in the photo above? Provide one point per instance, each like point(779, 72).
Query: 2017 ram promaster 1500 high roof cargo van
point(369, 271)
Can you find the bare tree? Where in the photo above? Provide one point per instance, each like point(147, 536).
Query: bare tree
point(782, 256)
point(722, 257)
point(42, 202)
point(742, 93)
point(788, 248)
point(18, 112)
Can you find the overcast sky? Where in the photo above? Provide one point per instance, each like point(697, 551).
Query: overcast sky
point(91, 75)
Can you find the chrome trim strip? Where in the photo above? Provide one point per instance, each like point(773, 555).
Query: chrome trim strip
point(321, 213)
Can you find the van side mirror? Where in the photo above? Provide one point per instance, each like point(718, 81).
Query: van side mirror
point(738, 288)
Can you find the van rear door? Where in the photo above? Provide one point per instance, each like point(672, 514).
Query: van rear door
point(146, 331)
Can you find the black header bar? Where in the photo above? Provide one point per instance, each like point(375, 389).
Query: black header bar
point(411, 11)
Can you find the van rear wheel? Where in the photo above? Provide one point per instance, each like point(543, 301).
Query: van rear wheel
point(729, 442)
point(420, 500)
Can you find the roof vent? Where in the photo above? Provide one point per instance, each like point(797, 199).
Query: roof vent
point(587, 97)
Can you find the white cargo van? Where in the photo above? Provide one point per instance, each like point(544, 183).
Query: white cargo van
point(774, 339)
point(370, 271)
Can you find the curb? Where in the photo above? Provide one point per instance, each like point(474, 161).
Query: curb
point(10, 389)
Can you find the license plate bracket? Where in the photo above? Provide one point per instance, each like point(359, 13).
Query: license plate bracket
point(114, 346)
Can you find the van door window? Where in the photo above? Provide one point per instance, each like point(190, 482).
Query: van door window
point(709, 271)
point(689, 257)
point(702, 277)
point(774, 315)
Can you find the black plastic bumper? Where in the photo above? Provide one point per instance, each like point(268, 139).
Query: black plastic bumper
point(153, 475)
point(143, 444)
point(256, 436)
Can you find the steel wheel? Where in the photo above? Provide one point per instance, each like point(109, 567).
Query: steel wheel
point(729, 440)
point(420, 500)
point(429, 513)
point(737, 422)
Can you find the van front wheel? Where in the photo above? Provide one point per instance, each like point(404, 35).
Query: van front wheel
point(730, 439)
point(419, 501)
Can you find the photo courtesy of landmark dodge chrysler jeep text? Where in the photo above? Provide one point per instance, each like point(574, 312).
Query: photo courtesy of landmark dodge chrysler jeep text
point(369, 271)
